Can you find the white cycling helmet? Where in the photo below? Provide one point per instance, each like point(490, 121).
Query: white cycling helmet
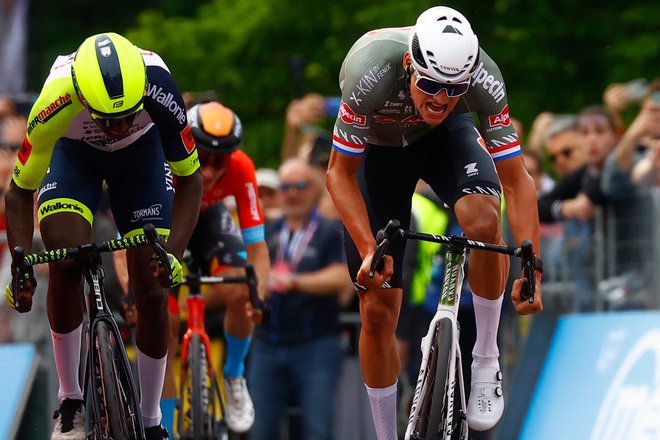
point(443, 46)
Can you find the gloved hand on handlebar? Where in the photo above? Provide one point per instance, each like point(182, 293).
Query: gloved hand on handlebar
point(21, 301)
point(162, 274)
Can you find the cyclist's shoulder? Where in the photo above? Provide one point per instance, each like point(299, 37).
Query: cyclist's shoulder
point(374, 54)
point(487, 91)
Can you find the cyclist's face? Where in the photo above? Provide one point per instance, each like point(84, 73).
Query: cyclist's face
point(115, 128)
point(433, 109)
point(213, 167)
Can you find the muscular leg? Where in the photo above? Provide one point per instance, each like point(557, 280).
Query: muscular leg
point(238, 327)
point(379, 359)
point(152, 332)
point(64, 304)
point(479, 217)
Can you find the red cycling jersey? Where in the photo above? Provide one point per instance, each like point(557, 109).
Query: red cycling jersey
point(240, 181)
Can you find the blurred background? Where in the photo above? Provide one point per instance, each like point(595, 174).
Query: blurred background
point(259, 55)
point(592, 358)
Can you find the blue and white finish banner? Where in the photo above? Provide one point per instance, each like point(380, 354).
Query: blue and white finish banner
point(600, 380)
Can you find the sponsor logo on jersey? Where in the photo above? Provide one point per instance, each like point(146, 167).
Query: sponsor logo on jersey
point(169, 178)
point(407, 121)
point(494, 87)
point(500, 119)
point(167, 100)
point(24, 152)
point(188, 139)
point(350, 117)
point(471, 169)
point(51, 110)
point(150, 213)
point(60, 206)
point(46, 187)
point(252, 195)
point(368, 81)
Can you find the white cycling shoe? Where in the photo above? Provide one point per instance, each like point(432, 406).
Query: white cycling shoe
point(240, 409)
point(486, 403)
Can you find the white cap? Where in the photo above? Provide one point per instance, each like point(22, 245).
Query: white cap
point(268, 177)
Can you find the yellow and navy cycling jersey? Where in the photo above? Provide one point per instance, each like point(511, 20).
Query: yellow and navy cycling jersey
point(57, 113)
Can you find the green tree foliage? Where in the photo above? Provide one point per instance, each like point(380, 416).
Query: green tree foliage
point(556, 55)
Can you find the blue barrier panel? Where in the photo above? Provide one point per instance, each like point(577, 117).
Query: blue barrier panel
point(600, 381)
point(18, 365)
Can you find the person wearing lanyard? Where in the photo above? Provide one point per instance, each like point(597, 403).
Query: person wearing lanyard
point(297, 349)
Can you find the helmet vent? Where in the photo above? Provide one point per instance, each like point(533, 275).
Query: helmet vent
point(417, 53)
point(451, 30)
point(106, 55)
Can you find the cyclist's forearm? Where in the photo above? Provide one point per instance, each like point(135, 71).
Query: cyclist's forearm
point(184, 212)
point(348, 200)
point(523, 216)
point(259, 257)
point(19, 215)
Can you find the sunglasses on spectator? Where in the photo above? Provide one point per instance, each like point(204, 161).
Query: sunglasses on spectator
point(565, 153)
point(433, 87)
point(299, 186)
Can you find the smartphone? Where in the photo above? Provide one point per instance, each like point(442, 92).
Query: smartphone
point(636, 89)
point(332, 104)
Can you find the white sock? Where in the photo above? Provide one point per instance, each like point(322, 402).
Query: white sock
point(152, 376)
point(383, 411)
point(487, 317)
point(66, 348)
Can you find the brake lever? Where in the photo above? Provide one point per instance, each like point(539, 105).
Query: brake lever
point(383, 239)
point(528, 269)
point(158, 247)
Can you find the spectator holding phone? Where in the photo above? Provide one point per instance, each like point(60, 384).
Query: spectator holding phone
point(302, 117)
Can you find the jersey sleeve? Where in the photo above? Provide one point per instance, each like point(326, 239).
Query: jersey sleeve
point(488, 98)
point(50, 116)
point(361, 93)
point(164, 104)
point(250, 215)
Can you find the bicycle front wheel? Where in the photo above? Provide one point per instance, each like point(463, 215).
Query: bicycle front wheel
point(197, 413)
point(442, 401)
point(119, 419)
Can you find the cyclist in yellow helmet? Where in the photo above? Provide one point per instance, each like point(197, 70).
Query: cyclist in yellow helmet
point(108, 112)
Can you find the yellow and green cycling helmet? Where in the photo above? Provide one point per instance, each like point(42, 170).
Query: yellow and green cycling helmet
point(109, 76)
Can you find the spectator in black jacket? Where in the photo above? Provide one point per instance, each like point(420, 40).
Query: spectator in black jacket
point(574, 199)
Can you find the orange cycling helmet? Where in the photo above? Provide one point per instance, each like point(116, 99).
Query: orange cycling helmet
point(216, 128)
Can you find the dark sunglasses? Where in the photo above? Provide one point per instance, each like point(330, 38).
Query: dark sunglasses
point(214, 160)
point(566, 153)
point(300, 186)
point(433, 87)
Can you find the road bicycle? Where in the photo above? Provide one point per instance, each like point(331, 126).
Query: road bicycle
point(109, 388)
point(200, 409)
point(439, 407)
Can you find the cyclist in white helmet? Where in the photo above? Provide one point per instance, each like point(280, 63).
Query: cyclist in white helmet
point(407, 98)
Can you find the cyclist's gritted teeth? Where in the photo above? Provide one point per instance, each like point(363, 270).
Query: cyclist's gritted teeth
point(435, 108)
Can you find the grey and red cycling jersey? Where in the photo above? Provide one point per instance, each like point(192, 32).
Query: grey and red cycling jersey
point(377, 108)
point(57, 113)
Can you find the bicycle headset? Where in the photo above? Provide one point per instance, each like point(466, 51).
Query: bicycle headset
point(216, 128)
point(443, 46)
point(109, 76)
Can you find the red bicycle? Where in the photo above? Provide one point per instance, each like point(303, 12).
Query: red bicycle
point(201, 406)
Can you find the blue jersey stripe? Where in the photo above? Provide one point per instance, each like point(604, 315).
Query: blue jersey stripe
point(254, 234)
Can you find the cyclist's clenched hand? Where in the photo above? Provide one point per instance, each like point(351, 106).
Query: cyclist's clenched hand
point(523, 307)
point(160, 272)
point(21, 301)
point(379, 278)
